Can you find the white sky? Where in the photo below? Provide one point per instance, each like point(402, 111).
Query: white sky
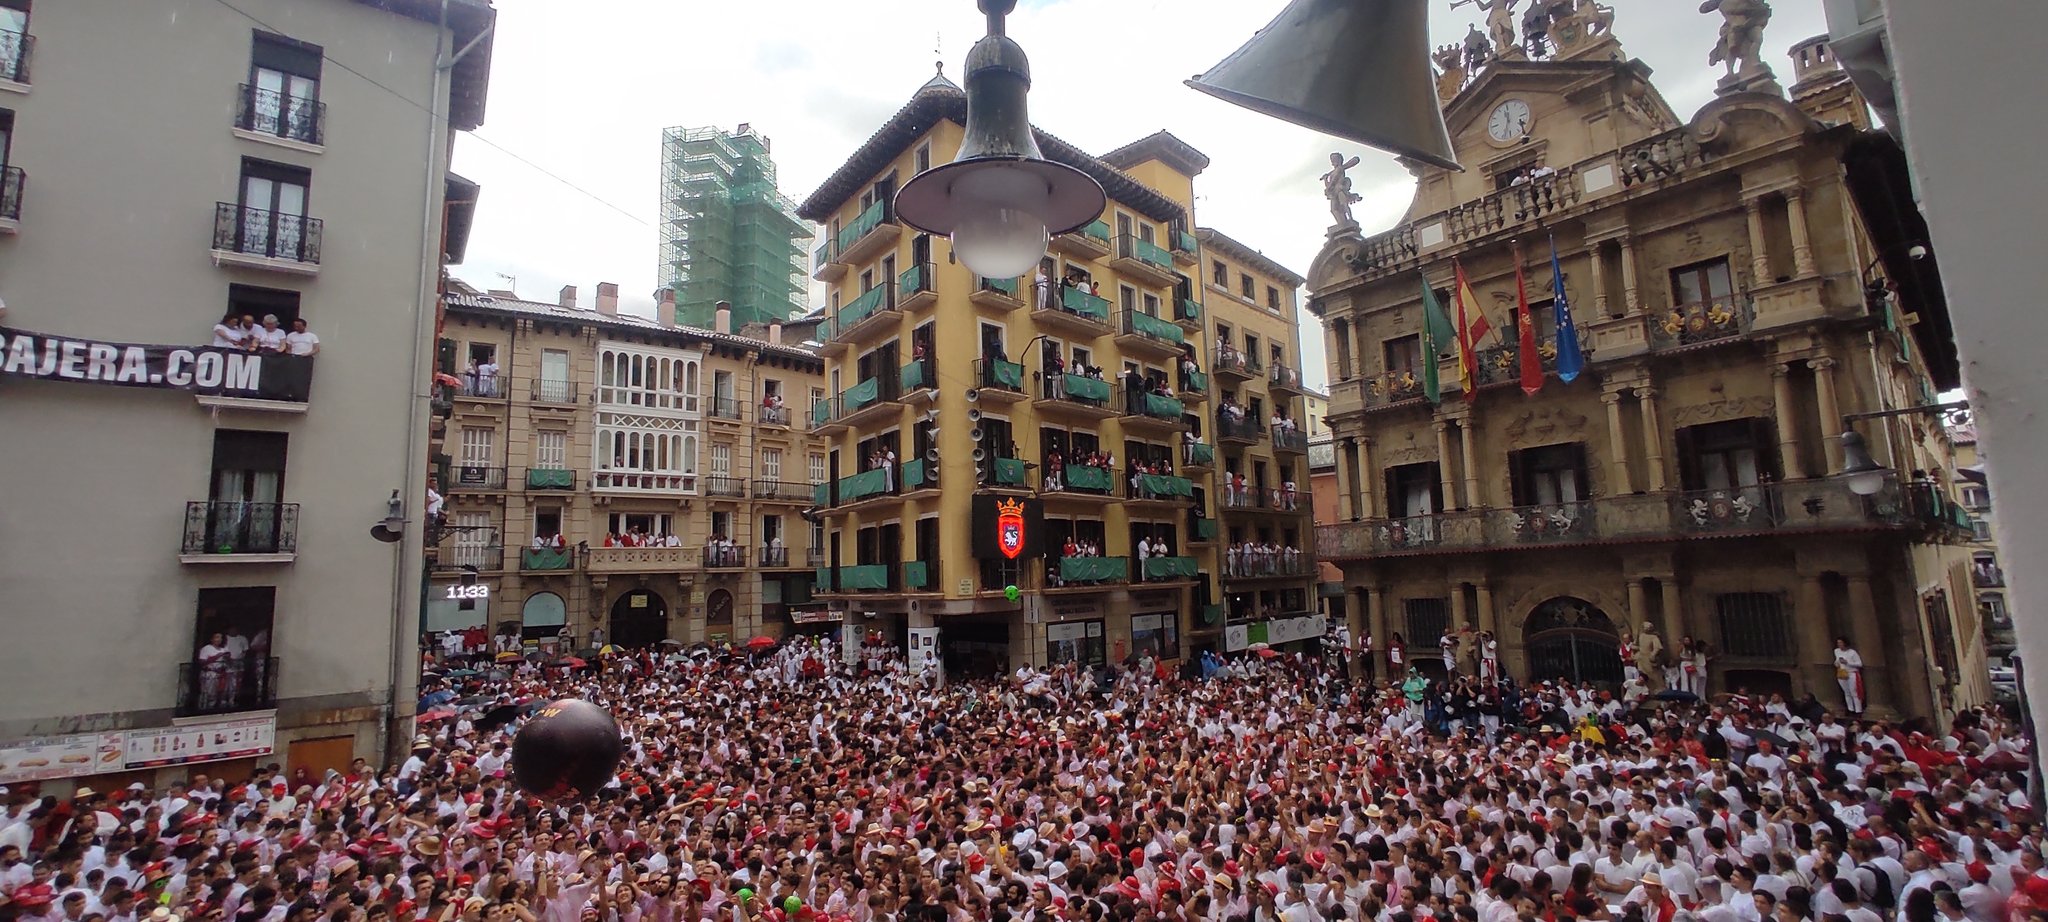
point(583, 91)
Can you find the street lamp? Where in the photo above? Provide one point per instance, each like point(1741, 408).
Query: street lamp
point(1864, 475)
point(999, 201)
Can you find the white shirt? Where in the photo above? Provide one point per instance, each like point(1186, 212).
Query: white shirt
point(228, 337)
point(302, 343)
point(270, 339)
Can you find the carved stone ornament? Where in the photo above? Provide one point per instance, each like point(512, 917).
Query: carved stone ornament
point(1717, 410)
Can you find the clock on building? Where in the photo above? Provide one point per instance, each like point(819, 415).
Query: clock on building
point(1509, 121)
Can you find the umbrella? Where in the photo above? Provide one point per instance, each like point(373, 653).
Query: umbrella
point(497, 717)
point(1673, 694)
point(509, 657)
point(448, 379)
point(671, 642)
point(608, 648)
point(438, 714)
point(573, 662)
point(1763, 736)
point(436, 699)
point(1260, 647)
point(761, 643)
point(1267, 652)
point(461, 673)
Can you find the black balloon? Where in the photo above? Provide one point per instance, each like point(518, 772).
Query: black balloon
point(567, 746)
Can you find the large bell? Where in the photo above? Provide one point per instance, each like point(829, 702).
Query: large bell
point(1356, 69)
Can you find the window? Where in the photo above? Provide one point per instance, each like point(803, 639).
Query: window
point(771, 464)
point(1272, 298)
point(13, 44)
point(1219, 274)
point(817, 467)
point(924, 157)
point(721, 524)
point(1414, 490)
point(1245, 285)
point(554, 376)
point(1251, 349)
point(474, 541)
point(231, 668)
point(547, 521)
point(257, 303)
point(6, 115)
point(1991, 607)
point(1127, 297)
point(1151, 304)
point(1726, 455)
point(272, 211)
point(479, 447)
point(721, 459)
point(246, 512)
point(1549, 475)
point(1223, 334)
point(1403, 353)
point(551, 450)
point(1426, 621)
point(1701, 282)
point(1980, 529)
point(1976, 498)
point(283, 94)
point(1753, 624)
point(638, 523)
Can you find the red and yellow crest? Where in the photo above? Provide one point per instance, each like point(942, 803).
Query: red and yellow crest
point(1010, 527)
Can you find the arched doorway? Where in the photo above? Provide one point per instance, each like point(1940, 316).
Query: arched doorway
point(1572, 639)
point(718, 613)
point(639, 619)
point(542, 617)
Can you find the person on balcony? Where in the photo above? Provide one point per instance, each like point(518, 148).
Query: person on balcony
point(213, 663)
point(1054, 466)
point(269, 337)
point(229, 333)
point(301, 341)
point(487, 377)
point(1287, 493)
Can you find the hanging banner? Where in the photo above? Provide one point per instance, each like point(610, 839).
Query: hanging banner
point(199, 369)
point(201, 741)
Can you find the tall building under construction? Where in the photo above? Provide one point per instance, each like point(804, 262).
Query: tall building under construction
point(726, 233)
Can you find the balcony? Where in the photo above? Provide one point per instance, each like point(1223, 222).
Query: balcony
point(13, 183)
point(1188, 313)
point(916, 288)
point(1086, 572)
point(1202, 530)
point(916, 377)
point(15, 50)
point(918, 577)
point(864, 486)
point(776, 415)
point(1242, 562)
point(1392, 387)
point(1007, 474)
point(555, 393)
point(781, 491)
point(1169, 569)
point(918, 475)
point(643, 480)
point(470, 478)
point(1150, 412)
point(253, 238)
point(1502, 212)
point(544, 559)
point(1161, 488)
point(1000, 380)
point(1289, 440)
point(230, 531)
point(1081, 484)
point(872, 232)
point(1260, 498)
point(1795, 507)
point(1689, 325)
point(604, 560)
point(823, 267)
point(875, 309)
point(1667, 156)
point(723, 557)
point(1238, 430)
point(1144, 262)
point(774, 558)
point(227, 685)
point(1194, 386)
point(1284, 382)
point(1199, 456)
point(1091, 242)
point(726, 409)
point(1144, 334)
point(1234, 365)
point(1073, 311)
point(865, 402)
point(483, 558)
point(1987, 576)
point(1186, 247)
point(872, 577)
point(725, 486)
point(1076, 397)
point(997, 294)
point(277, 118)
point(550, 478)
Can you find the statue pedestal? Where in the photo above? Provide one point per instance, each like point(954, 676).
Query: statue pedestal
point(1759, 80)
point(1346, 229)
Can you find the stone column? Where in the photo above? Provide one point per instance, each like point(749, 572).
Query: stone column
point(1488, 619)
point(1830, 412)
point(1759, 255)
point(1599, 278)
point(1443, 464)
point(1467, 456)
point(1788, 433)
point(1461, 614)
point(1816, 648)
point(1346, 506)
point(1617, 438)
point(1366, 479)
point(1802, 243)
point(1639, 609)
point(1653, 440)
point(1628, 275)
point(1376, 615)
point(1674, 608)
point(1868, 626)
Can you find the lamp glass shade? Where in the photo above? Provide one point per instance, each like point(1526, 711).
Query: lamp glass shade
point(1865, 476)
point(1866, 483)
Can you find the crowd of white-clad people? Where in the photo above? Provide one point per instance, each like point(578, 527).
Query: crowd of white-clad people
point(800, 785)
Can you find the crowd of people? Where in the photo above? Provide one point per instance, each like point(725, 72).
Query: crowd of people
point(242, 332)
point(802, 785)
point(1242, 494)
point(1261, 558)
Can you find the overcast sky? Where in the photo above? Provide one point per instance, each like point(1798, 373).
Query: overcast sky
point(583, 90)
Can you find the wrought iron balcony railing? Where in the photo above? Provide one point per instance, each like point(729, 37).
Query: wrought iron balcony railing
point(726, 408)
point(13, 182)
point(725, 485)
point(226, 683)
point(1706, 321)
point(269, 234)
point(476, 477)
point(269, 112)
point(725, 557)
point(555, 392)
point(15, 50)
point(229, 527)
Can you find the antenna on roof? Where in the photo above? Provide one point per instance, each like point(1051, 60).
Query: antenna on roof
point(512, 280)
point(939, 52)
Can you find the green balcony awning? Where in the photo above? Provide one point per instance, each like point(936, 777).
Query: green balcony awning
point(545, 479)
point(1190, 309)
point(1184, 241)
point(1008, 374)
point(1006, 286)
point(866, 576)
point(1153, 253)
point(1085, 304)
point(1084, 477)
point(1095, 569)
point(913, 376)
point(821, 581)
point(1010, 472)
point(1087, 388)
point(1098, 230)
point(1156, 328)
point(917, 574)
point(1196, 381)
point(911, 280)
point(544, 558)
point(1205, 529)
point(1171, 567)
point(868, 220)
point(860, 395)
point(821, 413)
point(863, 485)
point(1163, 406)
point(862, 307)
point(913, 473)
point(1212, 614)
point(821, 494)
point(1164, 485)
point(1201, 453)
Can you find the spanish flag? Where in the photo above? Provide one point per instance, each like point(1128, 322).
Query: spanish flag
point(1469, 333)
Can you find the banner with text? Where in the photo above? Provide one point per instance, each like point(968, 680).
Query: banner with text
point(200, 369)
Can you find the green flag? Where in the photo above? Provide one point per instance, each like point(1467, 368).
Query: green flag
point(1436, 330)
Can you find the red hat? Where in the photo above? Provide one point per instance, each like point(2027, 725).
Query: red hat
point(35, 895)
point(975, 862)
point(1979, 871)
point(1137, 856)
point(1932, 847)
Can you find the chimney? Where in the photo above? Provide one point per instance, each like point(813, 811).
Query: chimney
point(665, 307)
point(722, 320)
point(608, 298)
point(775, 332)
point(567, 298)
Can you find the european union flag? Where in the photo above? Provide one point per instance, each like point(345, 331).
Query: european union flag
point(1570, 361)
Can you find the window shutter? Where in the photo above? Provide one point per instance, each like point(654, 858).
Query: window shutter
point(1763, 436)
point(1585, 479)
point(1688, 460)
point(1390, 483)
point(1518, 479)
point(1436, 486)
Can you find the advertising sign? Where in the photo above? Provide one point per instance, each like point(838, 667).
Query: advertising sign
point(60, 757)
point(204, 741)
point(200, 369)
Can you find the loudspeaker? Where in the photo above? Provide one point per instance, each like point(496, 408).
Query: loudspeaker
point(980, 455)
point(974, 416)
point(1356, 69)
point(931, 455)
point(973, 395)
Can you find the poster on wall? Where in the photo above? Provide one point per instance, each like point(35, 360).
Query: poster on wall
point(1236, 637)
point(1075, 642)
point(1288, 630)
point(201, 369)
point(66, 756)
point(207, 741)
point(1156, 635)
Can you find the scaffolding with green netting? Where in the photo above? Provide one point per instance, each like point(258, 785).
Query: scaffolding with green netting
point(727, 234)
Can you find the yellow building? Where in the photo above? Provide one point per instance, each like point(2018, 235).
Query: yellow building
point(1986, 571)
point(644, 448)
point(955, 401)
point(1720, 272)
